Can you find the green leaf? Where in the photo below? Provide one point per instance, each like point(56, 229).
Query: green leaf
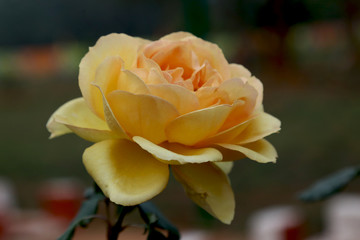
point(86, 212)
point(154, 219)
point(331, 185)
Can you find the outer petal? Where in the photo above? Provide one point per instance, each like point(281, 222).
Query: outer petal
point(238, 71)
point(176, 36)
point(261, 126)
point(184, 100)
point(172, 153)
point(225, 166)
point(261, 151)
point(75, 116)
point(255, 128)
point(124, 172)
point(142, 115)
point(227, 135)
point(110, 117)
point(209, 187)
point(106, 78)
point(121, 45)
point(193, 127)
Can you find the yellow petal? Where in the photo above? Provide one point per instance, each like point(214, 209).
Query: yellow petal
point(75, 116)
point(111, 121)
point(142, 115)
point(172, 153)
point(225, 166)
point(118, 45)
point(230, 155)
point(209, 187)
point(193, 127)
point(106, 78)
point(130, 82)
point(184, 100)
point(261, 126)
point(261, 151)
point(124, 172)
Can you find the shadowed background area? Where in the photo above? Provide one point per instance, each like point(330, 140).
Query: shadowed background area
point(307, 54)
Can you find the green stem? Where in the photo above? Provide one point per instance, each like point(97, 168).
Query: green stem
point(114, 230)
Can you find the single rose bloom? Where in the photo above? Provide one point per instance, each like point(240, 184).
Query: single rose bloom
point(174, 102)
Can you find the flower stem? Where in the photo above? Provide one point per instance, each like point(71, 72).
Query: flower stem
point(113, 230)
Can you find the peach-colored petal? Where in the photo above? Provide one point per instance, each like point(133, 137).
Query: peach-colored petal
point(125, 173)
point(238, 71)
point(261, 151)
point(243, 97)
point(209, 187)
point(261, 126)
point(194, 127)
point(227, 135)
point(184, 100)
point(206, 51)
point(142, 115)
point(176, 36)
point(172, 153)
point(75, 116)
point(120, 45)
point(156, 77)
point(257, 84)
point(174, 55)
point(208, 96)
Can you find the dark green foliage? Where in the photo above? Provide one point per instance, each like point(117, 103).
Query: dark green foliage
point(86, 213)
point(331, 185)
point(155, 220)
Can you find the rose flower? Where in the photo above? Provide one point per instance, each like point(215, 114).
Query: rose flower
point(174, 102)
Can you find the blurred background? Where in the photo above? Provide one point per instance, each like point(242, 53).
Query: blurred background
point(307, 54)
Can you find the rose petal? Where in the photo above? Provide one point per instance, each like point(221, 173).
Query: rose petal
point(243, 97)
point(227, 135)
point(112, 122)
point(176, 36)
point(75, 116)
point(193, 127)
point(184, 100)
point(173, 153)
point(239, 71)
point(206, 51)
point(124, 172)
point(261, 126)
point(106, 78)
point(209, 187)
point(225, 166)
point(261, 151)
point(120, 45)
point(142, 115)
